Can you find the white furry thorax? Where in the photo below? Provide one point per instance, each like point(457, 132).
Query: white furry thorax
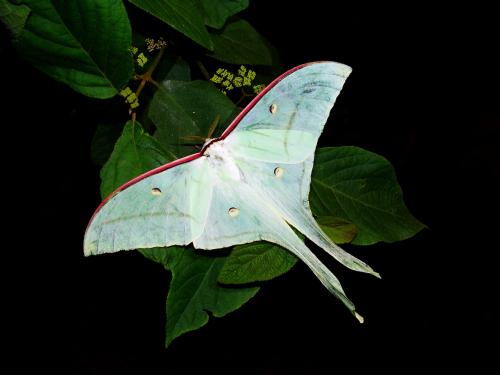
point(220, 158)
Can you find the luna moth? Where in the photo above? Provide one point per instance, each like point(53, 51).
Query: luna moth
point(251, 183)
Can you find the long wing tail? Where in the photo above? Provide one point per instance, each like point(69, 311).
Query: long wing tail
point(308, 226)
point(295, 245)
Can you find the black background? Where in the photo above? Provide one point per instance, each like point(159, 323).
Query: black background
point(423, 93)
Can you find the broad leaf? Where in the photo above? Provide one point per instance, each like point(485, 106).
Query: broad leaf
point(339, 230)
point(13, 16)
point(163, 255)
point(218, 11)
point(81, 43)
point(103, 141)
point(257, 261)
point(185, 109)
point(184, 16)
point(194, 290)
point(173, 67)
point(361, 187)
point(135, 152)
point(180, 71)
point(239, 43)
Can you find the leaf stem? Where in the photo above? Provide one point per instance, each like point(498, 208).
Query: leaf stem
point(148, 76)
point(243, 96)
point(203, 70)
point(156, 61)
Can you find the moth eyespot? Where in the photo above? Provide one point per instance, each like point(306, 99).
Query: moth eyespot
point(233, 212)
point(273, 108)
point(155, 191)
point(278, 172)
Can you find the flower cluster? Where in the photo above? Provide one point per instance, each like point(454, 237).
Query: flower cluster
point(228, 81)
point(130, 97)
point(141, 58)
point(258, 88)
point(153, 44)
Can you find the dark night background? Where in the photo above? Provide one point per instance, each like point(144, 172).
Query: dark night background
point(424, 93)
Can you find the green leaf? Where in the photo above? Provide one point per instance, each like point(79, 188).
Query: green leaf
point(240, 43)
point(135, 152)
point(81, 43)
point(170, 67)
point(339, 230)
point(361, 187)
point(218, 11)
point(163, 255)
point(180, 71)
point(103, 141)
point(181, 109)
point(194, 290)
point(183, 15)
point(13, 16)
point(173, 67)
point(256, 261)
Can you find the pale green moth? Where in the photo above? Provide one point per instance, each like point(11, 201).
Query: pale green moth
point(250, 184)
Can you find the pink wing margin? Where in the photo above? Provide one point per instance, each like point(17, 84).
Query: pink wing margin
point(195, 156)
